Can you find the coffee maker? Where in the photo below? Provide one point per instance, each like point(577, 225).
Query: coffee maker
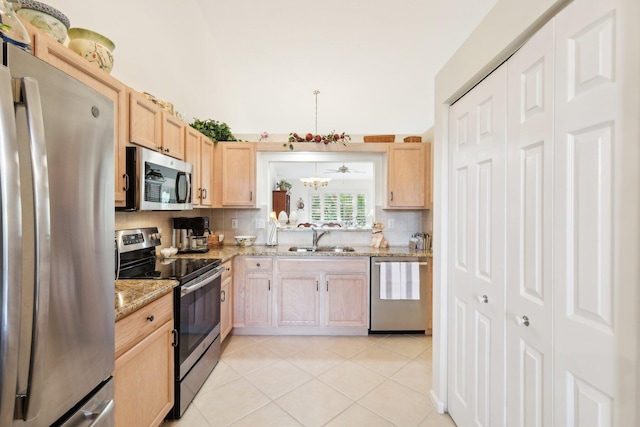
point(188, 234)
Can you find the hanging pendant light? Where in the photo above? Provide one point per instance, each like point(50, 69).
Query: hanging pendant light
point(315, 181)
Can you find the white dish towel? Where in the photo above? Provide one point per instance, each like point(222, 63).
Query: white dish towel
point(400, 280)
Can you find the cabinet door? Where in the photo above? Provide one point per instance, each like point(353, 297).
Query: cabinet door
point(144, 380)
point(346, 300)
point(172, 136)
point(298, 299)
point(238, 174)
point(144, 122)
point(206, 176)
point(407, 176)
point(49, 50)
point(257, 295)
point(192, 155)
point(226, 311)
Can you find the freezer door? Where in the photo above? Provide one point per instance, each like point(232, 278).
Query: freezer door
point(79, 348)
point(97, 411)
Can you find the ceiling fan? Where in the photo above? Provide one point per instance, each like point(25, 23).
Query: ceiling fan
point(343, 169)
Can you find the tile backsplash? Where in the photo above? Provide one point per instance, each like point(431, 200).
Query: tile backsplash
point(220, 220)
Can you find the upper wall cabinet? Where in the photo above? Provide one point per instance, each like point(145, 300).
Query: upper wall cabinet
point(408, 176)
point(145, 122)
point(173, 136)
point(152, 128)
point(235, 174)
point(49, 50)
point(199, 152)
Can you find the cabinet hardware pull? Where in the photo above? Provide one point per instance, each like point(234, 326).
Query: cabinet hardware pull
point(166, 150)
point(327, 286)
point(269, 282)
point(204, 193)
point(316, 286)
point(251, 195)
point(126, 182)
point(483, 298)
point(160, 148)
point(175, 337)
point(223, 296)
point(150, 318)
point(392, 196)
point(199, 193)
point(257, 264)
point(522, 321)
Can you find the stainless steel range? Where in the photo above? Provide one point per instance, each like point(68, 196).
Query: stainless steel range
point(196, 306)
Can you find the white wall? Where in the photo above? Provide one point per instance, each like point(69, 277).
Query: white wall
point(255, 64)
point(158, 46)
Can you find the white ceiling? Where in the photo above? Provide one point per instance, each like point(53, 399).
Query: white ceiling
point(296, 170)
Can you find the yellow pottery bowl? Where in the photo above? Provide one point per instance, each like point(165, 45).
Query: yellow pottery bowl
point(93, 47)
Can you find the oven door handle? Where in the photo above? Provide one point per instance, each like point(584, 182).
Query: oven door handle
point(217, 272)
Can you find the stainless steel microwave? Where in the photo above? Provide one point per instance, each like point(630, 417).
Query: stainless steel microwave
point(157, 182)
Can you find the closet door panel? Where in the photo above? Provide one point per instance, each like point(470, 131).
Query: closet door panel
point(588, 318)
point(529, 239)
point(477, 214)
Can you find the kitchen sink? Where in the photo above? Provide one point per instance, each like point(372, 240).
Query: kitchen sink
point(321, 249)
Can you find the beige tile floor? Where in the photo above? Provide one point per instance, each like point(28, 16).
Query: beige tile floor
point(377, 380)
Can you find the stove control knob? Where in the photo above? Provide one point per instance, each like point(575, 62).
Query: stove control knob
point(155, 236)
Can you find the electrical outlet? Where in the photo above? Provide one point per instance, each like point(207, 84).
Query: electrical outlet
point(391, 223)
point(234, 223)
point(260, 223)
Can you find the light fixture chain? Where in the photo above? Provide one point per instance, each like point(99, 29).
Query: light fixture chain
point(316, 92)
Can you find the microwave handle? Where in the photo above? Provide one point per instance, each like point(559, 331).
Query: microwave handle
point(188, 192)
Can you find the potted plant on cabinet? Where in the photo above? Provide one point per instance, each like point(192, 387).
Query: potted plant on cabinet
point(217, 131)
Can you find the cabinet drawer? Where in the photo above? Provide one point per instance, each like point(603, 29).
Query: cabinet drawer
point(228, 270)
point(333, 265)
point(258, 264)
point(139, 324)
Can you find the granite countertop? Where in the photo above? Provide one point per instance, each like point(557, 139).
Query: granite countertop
point(131, 294)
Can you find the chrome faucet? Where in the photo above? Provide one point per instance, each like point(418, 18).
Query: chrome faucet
point(317, 237)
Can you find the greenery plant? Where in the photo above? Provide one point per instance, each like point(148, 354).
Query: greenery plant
point(283, 184)
point(217, 131)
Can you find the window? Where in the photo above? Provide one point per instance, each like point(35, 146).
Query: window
point(342, 207)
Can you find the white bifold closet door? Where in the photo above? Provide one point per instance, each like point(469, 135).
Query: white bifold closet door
point(591, 365)
point(477, 220)
point(529, 225)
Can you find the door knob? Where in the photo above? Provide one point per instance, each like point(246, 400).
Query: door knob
point(522, 320)
point(483, 298)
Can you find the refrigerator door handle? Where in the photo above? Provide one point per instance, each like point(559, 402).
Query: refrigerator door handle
point(10, 251)
point(42, 256)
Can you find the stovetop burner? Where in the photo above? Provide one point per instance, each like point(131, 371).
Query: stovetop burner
point(183, 269)
point(136, 249)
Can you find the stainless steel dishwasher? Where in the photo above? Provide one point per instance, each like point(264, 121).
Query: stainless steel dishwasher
point(404, 315)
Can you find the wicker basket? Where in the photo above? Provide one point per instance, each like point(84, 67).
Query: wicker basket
point(413, 139)
point(379, 138)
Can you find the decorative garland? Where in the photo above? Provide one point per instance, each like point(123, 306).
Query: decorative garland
point(326, 139)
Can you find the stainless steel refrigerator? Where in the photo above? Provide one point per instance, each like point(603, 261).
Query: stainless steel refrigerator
point(56, 235)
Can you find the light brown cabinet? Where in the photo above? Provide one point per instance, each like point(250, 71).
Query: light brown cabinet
point(253, 295)
point(280, 202)
point(144, 370)
point(153, 128)
point(408, 176)
point(226, 301)
point(49, 50)
point(173, 136)
point(145, 122)
point(301, 295)
point(236, 179)
point(199, 152)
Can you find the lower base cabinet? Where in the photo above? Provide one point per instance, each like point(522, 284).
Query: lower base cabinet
point(144, 387)
point(302, 296)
